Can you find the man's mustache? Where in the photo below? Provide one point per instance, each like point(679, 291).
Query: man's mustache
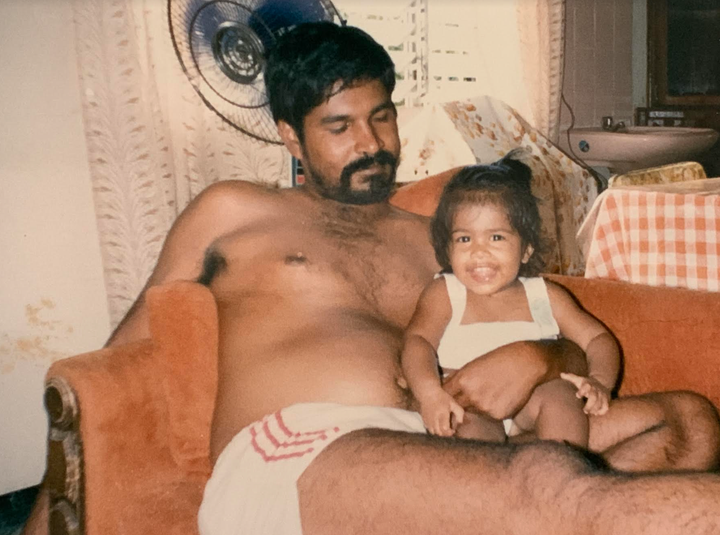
point(381, 157)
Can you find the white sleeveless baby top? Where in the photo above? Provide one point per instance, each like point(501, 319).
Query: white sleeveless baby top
point(462, 343)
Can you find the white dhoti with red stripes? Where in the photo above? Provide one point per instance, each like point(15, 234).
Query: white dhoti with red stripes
point(253, 488)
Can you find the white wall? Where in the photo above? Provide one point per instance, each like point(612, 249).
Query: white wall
point(598, 61)
point(52, 298)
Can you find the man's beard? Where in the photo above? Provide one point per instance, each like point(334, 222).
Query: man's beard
point(380, 184)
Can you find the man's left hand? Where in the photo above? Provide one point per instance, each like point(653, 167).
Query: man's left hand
point(499, 383)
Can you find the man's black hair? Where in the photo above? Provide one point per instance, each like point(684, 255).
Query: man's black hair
point(306, 63)
point(506, 183)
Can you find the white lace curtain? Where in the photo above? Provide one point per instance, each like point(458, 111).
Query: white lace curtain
point(152, 144)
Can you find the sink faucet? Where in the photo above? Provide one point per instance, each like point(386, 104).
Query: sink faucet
point(607, 124)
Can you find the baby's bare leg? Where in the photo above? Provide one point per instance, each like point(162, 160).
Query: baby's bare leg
point(481, 427)
point(555, 413)
point(378, 482)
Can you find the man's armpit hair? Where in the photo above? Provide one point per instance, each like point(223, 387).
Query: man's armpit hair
point(213, 264)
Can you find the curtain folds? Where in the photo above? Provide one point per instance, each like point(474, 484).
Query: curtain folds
point(541, 25)
point(152, 144)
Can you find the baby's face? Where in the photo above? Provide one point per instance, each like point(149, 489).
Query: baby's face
point(486, 252)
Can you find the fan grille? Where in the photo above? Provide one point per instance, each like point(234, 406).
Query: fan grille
point(221, 46)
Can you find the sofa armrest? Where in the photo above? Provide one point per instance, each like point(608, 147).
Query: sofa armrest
point(108, 431)
point(129, 440)
point(64, 478)
point(668, 336)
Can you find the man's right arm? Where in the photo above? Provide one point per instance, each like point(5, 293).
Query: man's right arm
point(502, 381)
point(218, 210)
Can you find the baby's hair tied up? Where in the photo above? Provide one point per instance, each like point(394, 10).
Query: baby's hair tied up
point(520, 171)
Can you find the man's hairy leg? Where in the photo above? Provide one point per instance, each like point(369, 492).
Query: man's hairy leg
point(661, 431)
point(376, 481)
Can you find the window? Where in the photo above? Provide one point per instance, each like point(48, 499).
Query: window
point(429, 49)
point(683, 52)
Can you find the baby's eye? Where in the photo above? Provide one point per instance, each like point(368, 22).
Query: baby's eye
point(497, 237)
point(462, 239)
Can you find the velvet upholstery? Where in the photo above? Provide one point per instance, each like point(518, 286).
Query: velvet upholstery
point(668, 336)
point(145, 411)
point(422, 197)
point(145, 408)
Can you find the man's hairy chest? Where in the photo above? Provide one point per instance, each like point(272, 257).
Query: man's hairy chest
point(341, 263)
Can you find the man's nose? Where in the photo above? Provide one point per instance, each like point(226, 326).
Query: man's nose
point(367, 141)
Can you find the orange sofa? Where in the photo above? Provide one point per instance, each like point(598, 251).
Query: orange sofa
point(129, 425)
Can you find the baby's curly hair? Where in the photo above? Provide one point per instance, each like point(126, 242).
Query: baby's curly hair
point(505, 183)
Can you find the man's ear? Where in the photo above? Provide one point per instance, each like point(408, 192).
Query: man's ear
point(290, 139)
point(529, 250)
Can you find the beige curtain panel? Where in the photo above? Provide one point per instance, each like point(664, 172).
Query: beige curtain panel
point(541, 25)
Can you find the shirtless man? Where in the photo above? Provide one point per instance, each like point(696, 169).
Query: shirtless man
point(314, 287)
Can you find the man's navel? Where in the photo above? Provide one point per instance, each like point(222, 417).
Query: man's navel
point(296, 259)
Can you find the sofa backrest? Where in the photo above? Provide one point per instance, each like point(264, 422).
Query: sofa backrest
point(668, 336)
point(422, 197)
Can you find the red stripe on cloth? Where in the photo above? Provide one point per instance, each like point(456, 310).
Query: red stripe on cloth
point(283, 442)
point(272, 457)
point(284, 438)
point(281, 423)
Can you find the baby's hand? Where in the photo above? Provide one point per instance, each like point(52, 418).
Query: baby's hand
point(441, 413)
point(597, 394)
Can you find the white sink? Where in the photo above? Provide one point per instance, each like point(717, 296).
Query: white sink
point(637, 147)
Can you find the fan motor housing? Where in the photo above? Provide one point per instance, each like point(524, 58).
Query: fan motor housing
point(238, 52)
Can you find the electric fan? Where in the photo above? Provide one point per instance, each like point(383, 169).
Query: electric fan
point(221, 46)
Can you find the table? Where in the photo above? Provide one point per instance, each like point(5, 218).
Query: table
point(660, 235)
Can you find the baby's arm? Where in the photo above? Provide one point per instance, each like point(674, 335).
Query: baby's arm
point(419, 363)
point(601, 350)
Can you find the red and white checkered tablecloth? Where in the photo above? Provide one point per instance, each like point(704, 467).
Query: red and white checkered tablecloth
point(662, 235)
